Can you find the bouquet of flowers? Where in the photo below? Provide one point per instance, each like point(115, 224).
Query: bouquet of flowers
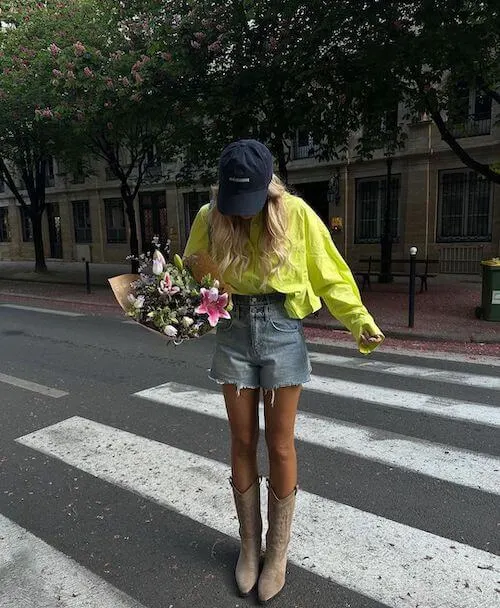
point(182, 300)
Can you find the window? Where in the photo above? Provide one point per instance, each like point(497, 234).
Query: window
point(370, 208)
point(469, 113)
point(303, 145)
point(81, 222)
point(192, 203)
point(115, 221)
point(79, 173)
point(49, 172)
point(4, 225)
point(110, 176)
point(464, 206)
point(26, 226)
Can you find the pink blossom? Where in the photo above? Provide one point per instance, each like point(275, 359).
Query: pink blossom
point(54, 50)
point(138, 78)
point(57, 73)
point(195, 45)
point(70, 75)
point(125, 81)
point(214, 305)
point(215, 47)
point(166, 56)
point(88, 72)
point(79, 49)
point(110, 83)
point(166, 286)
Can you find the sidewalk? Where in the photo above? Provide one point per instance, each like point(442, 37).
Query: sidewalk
point(446, 312)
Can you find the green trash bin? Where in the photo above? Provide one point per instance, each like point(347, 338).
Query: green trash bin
point(490, 301)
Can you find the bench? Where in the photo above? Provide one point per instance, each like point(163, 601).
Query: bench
point(373, 269)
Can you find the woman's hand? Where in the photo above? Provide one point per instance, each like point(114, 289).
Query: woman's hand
point(367, 339)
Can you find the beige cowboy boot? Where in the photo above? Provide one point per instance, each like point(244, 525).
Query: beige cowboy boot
point(248, 510)
point(280, 515)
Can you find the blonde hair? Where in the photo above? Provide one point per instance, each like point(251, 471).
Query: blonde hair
point(229, 236)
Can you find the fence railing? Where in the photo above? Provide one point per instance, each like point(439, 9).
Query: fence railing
point(460, 259)
point(470, 127)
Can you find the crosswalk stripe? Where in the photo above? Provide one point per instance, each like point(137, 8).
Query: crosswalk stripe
point(454, 465)
point(36, 574)
point(406, 400)
point(411, 371)
point(49, 311)
point(33, 386)
point(379, 558)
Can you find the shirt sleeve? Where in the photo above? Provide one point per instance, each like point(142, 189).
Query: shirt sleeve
point(333, 282)
point(198, 237)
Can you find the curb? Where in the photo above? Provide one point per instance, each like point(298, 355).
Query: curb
point(403, 335)
point(26, 296)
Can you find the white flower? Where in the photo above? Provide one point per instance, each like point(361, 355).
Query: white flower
point(187, 321)
point(216, 284)
point(213, 294)
point(158, 256)
point(138, 302)
point(170, 331)
point(157, 267)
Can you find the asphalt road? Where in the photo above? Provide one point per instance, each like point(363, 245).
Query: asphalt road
point(114, 467)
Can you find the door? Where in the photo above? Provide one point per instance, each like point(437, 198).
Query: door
point(55, 236)
point(153, 214)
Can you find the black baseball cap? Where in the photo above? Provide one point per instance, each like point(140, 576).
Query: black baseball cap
point(245, 172)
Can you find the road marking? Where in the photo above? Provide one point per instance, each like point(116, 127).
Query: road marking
point(36, 574)
point(33, 386)
point(49, 311)
point(478, 471)
point(392, 563)
point(413, 371)
point(406, 400)
point(406, 351)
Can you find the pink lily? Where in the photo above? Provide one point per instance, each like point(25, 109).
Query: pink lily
point(214, 305)
point(166, 287)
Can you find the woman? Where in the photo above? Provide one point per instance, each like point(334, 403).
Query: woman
point(279, 259)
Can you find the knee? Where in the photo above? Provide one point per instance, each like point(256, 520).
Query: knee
point(245, 445)
point(280, 449)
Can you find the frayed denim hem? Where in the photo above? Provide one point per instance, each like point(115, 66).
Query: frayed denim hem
point(240, 386)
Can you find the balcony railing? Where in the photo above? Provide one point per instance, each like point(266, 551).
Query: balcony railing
point(303, 151)
point(472, 126)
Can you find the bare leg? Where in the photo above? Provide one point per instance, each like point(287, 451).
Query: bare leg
point(243, 414)
point(280, 439)
point(242, 411)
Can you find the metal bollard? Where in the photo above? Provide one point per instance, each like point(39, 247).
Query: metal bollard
point(413, 274)
point(87, 275)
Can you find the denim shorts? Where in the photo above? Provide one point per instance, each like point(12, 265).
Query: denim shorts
point(260, 346)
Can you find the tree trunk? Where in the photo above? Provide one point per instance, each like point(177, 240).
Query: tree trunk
point(36, 223)
point(385, 275)
point(128, 199)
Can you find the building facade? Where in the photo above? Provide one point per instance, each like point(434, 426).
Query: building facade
point(447, 211)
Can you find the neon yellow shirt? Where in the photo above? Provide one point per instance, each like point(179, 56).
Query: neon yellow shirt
point(317, 270)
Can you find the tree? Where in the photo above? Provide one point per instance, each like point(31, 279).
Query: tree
point(429, 56)
point(249, 68)
point(31, 132)
point(122, 100)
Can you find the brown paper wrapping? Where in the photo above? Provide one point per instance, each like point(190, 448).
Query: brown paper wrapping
point(121, 288)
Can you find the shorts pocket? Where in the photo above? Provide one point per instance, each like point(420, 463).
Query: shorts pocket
point(286, 325)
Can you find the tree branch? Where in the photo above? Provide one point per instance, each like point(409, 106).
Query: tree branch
point(462, 154)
